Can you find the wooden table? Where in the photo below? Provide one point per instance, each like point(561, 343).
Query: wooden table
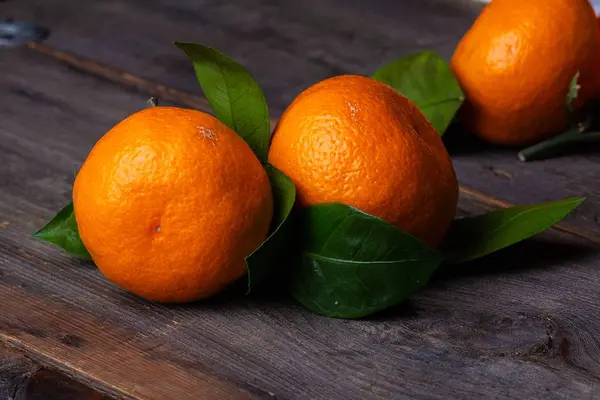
point(523, 324)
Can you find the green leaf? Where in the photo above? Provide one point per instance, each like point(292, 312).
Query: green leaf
point(234, 95)
point(352, 264)
point(473, 237)
point(62, 232)
point(264, 258)
point(427, 80)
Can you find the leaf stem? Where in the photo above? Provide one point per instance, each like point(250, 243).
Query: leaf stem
point(553, 146)
point(152, 101)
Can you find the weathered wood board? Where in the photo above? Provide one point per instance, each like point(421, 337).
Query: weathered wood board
point(287, 45)
point(23, 379)
point(519, 325)
point(15, 368)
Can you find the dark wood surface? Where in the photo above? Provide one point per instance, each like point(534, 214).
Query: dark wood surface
point(15, 368)
point(522, 324)
point(23, 379)
point(46, 384)
point(289, 45)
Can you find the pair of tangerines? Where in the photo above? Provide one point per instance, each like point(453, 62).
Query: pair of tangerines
point(170, 201)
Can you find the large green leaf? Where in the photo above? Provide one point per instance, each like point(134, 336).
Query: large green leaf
point(351, 264)
point(234, 95)
point(427, 80)
point(262, 261)
point(62, 231)
point(474, 237)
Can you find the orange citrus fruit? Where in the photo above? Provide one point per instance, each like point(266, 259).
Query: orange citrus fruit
point(516, 63)
point(169, 203)
point(354, 140)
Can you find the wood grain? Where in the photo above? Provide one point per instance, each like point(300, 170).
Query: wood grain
point(23, 379)
point(15, 368)
point(47, 384)
point(123, 78)
point(519, 325)
point(289, 45)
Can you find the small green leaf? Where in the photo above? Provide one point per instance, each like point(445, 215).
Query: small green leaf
point(427, 80)
point(474, 237)
point(265, 257)
point(62, 231)
point(234, 95)
point(352, 264)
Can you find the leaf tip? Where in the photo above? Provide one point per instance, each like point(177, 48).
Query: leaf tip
point(184, 46)
point(40, 233)
point(180, 46)
point(573, 202)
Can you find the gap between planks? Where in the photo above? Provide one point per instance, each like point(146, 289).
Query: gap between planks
point(164, 92)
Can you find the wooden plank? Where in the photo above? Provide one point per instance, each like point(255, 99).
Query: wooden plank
point(47, 384)
point(289, 45)
point(506, 328)
point(23, 379)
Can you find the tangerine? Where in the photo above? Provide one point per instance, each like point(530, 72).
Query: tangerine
point(169, 203)
point(515, 66)
point(358, 141)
